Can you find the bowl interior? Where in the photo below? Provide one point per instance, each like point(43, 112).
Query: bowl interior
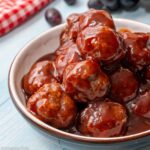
point(47, 43)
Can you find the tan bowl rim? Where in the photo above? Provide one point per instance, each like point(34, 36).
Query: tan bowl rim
point(49, 129)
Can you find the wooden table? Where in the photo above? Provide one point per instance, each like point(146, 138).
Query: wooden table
point(15, 132)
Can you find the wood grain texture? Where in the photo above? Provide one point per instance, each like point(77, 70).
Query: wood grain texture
point(15, 132)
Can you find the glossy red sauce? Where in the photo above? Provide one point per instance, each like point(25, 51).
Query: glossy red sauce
point(97, 83)
point(135, 123)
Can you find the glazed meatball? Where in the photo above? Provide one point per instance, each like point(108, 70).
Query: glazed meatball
point(72, 29)
point(100, 43)
point(148, 73)
point(64, 36)
point(53, 106)
point(40, 73)
point(73, 24)
point(67, 56)
point(85, 81)
point(138, 49)
point(78, 22)
point(94, 17)
point(103, 119)
point(141, 107)
point(124, 85)
point(63, 48)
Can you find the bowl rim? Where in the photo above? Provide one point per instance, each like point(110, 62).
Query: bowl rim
point(49, 129)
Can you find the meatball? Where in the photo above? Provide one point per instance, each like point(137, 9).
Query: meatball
point(94, 17)
point(148, 73)
point(138, 50)
point(72, 29)
point(141, 107)
point(63, 48)
point(67, 56)
point(51, 105)
point(73, 25)
point(64, 36)
point(40, 73)
point(103, 119)
point(77, 22)
point(85, 81)
point(101, 44)
point(124, 85)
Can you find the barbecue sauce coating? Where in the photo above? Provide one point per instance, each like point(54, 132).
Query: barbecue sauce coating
point(96, 17)
point(138, 48)
point(40, 73)
point(78, 22)
point(67, 54)
point(73, 24)
point(52, 105)
point(97, 83)
point(100, 43)
point(124, 85)
point(102, 119)
point(85, 81)
point(142, 105)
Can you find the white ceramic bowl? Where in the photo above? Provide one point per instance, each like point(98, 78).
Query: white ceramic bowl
point(45, 44)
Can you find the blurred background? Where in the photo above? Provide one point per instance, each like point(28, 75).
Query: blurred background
point(15, 132)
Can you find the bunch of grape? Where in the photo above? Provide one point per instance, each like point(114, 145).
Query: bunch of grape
point(53, 16)
point(112, 5)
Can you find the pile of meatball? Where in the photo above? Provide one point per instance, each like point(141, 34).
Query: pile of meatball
point(92, 77)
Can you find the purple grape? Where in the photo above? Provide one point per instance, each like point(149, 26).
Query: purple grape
point(96, 4)
point(128, 4)
point(53, 16)
point(70, 2)
point(111, 5)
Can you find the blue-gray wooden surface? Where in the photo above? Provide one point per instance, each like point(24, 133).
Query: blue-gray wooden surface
point(15, 132)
